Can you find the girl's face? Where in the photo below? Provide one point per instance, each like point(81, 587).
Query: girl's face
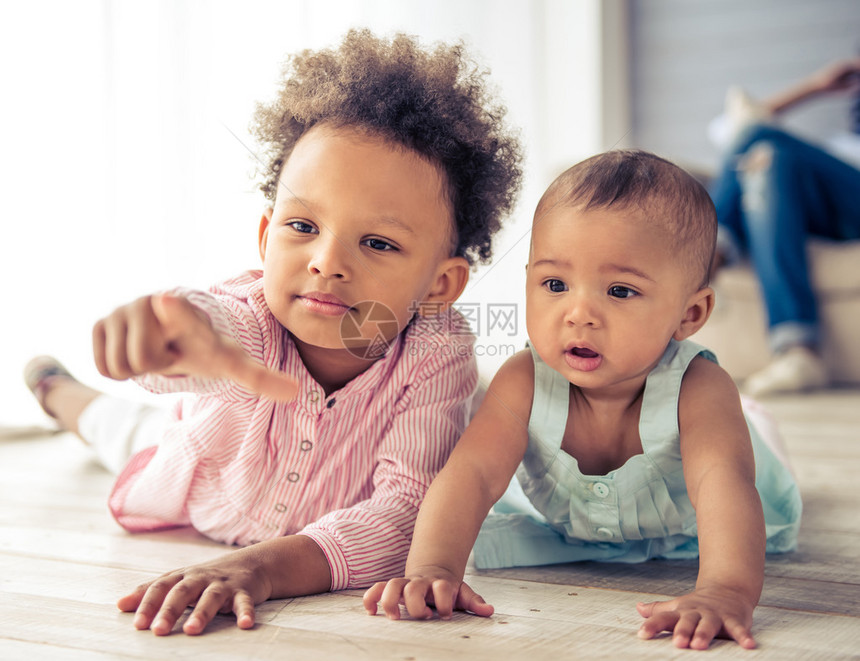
point(360, 234)
point(604, 295)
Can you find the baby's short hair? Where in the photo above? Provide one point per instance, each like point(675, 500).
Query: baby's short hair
point(668, 196)
point(435, 103)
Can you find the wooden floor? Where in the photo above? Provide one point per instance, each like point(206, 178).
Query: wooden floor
point(64, 562)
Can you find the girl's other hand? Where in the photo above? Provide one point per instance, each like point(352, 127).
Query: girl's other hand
point(229, 583)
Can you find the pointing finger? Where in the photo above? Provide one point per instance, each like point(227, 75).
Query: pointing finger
point(244, 371)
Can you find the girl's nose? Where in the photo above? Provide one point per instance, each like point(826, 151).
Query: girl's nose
point(329, 257)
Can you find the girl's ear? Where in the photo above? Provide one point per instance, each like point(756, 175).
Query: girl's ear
point(699, 308)
point(452, 275)
point(264, 231)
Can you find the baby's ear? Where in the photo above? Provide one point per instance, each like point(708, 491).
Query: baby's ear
point(452, 274)
point(699, 308)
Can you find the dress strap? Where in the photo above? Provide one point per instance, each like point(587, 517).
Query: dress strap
point(658, 420)
point(550, 404)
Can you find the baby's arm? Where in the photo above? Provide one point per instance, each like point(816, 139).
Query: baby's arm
point(166, 334)
point(475, 476)
point(720, 474)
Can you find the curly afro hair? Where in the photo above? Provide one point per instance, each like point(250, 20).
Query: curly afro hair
point(433, 102)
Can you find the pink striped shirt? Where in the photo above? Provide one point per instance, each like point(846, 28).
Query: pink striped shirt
point(348, 470)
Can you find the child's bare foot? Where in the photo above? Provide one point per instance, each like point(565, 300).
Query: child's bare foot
point(59, 394)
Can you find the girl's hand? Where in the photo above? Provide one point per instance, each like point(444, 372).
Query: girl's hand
point(231, 583)
point(425, 587)
point(697, 618)
point(167, 335)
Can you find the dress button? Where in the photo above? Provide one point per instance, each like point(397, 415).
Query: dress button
point(293, 477)
point(600, 489)
point(280, 507)
point(306, 445)
point(604, 533)
point(313, 396)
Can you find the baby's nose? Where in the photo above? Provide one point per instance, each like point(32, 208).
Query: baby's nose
point(582, 310)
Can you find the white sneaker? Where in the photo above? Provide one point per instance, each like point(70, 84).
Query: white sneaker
point(741, 110)
point(797, 369)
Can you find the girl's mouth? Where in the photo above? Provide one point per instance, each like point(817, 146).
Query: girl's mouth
point(324, 304)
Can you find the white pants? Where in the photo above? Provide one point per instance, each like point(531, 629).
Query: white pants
point(118, 428)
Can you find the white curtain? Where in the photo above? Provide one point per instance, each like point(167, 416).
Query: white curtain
point(127, 165)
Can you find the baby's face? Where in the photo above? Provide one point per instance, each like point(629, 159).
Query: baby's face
point(604, 294)
point(356, 221)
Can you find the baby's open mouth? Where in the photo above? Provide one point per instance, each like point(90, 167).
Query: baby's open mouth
point(582, 352)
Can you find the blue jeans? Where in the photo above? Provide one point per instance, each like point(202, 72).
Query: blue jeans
point(770, 209)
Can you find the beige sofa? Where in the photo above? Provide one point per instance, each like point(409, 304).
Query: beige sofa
point(736, 331)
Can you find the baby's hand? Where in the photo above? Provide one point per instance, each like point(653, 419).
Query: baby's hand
point(697, 618)
point(424, 587)
point(229, 583)
point(166, 334)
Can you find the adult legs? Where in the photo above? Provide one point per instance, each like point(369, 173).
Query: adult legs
point(774, 193)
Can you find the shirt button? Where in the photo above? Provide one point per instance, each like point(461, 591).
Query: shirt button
point(280, 507)
point(600, 489)
point(306, 445)
point(313, 396)
point(293, 477)
point(604, 533)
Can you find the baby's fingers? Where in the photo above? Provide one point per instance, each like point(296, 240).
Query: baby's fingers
point(689, 628)
point(372, 596)
point(657, 623)
point(646, 609)
point(391, 595)
point(740, 632)
point(415, 597)
point(682, 624)
point(469, 600)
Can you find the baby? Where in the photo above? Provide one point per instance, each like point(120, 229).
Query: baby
point(628, 439)
point(319, 417)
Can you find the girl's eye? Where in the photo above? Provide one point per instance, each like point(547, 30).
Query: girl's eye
point(302, 227)
point(555, 286)
point(622, 292)
point(379, 244)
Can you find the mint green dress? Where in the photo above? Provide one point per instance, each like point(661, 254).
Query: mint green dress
point(553, 513)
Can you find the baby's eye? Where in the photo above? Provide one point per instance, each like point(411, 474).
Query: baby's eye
point(379, 244)
point(619, 291)
point(302, 227)
point(554, 285)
